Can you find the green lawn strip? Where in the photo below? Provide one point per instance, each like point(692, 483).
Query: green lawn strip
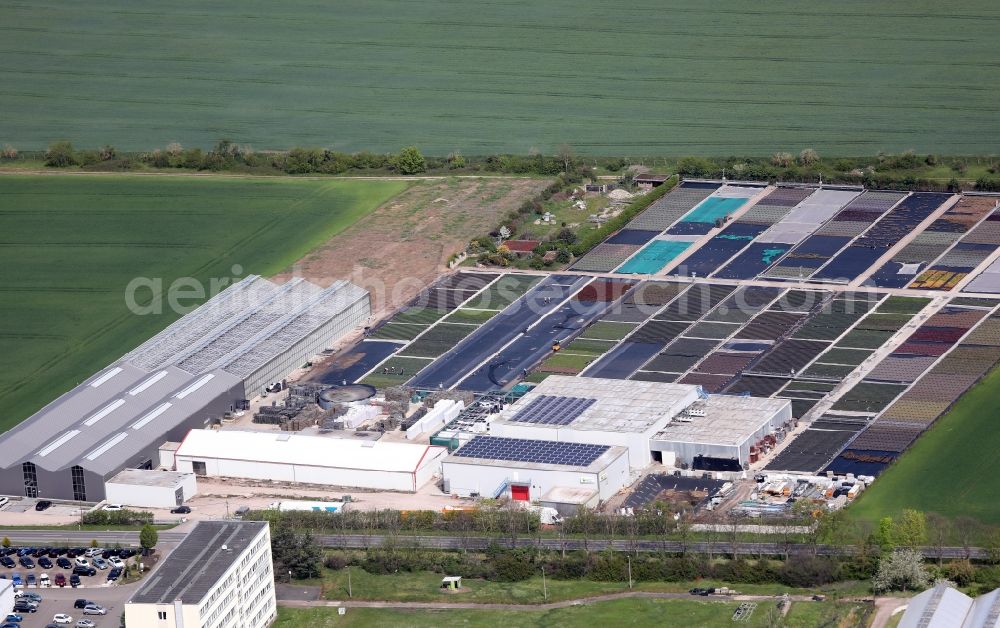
point(504, 291)
point(844, 356)
point(72, 244)
point(424, 586)
point(608, 330)
point(470, 317)
point(438, 340)
point(949, 469)
point(589, 346)
point(398, 331)
point(567, 361)
point(418, 315)
point(902, 305)
point(668, 613)
point(864, 339)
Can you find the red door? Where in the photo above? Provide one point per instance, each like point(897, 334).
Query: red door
point(519, 493)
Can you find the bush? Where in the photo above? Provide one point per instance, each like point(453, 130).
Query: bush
point(513, 566)
point(409, 161)
point(806, 572)
point(986, 184)
point(117, 517)
point(696, 167)
point(808, 157)
point(60, 155)
point(609, 567)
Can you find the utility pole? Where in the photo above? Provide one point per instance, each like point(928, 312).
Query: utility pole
point(349, 592)
point(545, 591)
point(630, 573)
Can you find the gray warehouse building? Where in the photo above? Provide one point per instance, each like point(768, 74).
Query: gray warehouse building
point(206, 363)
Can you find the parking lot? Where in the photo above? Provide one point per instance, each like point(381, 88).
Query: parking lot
point(56, 600)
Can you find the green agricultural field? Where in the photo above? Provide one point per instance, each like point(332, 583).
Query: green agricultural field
point(669, 613)
point(950, 470)
point(71, 244)
point(629, 78)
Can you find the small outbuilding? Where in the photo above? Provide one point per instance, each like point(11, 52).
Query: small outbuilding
point(146, 488)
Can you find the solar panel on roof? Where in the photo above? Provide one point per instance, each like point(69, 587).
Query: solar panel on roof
point(536, 451)
point(553, 410)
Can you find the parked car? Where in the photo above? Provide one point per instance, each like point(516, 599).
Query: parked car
point(94, 609)
point(43, 504)
point(43, 581)
point(113, 507)
point(92, 551)
point(126, 553)
point(81, 603)
point(80, 570)
point(81, 562)
point(85, 623)
point(44, 562)
point(181, 510)
point(31, 581)
point(16, 579)
point(55, 551)
point(64, 562)
point(26, 562)
point(4, 501)
point(74, 580)
point(7, 562)
point(24, 551)
point(10, 624)
point(25, 606)
point(14, 619)
point(60, 580)
point(40, 551)
point(62, 618)
point(100, 563)
point(116, 562)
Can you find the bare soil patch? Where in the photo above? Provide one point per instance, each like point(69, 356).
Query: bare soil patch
point(404, 245)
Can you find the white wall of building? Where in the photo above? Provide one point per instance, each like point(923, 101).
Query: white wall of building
point(332, 475)
point(6, 597)
point(465, 479)
point(151, 496)
point(244, 597)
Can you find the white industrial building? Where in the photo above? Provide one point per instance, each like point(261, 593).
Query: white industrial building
point(220, 576)
point(596, 410)
point(721, 428)
point(287, 457)
point(151, 488)
point(209, 362)
point(946, 607)
point(527, 470)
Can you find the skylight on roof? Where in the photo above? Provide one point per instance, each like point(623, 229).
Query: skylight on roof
point(195, 386)
point(146, 384)
point(62, 440)
point(117, 438)
point(103, 378)
point(103, 412)
point(160, 409)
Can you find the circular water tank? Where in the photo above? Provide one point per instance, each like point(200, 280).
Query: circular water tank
point(345, 394)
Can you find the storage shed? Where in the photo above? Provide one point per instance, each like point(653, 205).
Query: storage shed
point(284, 457)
